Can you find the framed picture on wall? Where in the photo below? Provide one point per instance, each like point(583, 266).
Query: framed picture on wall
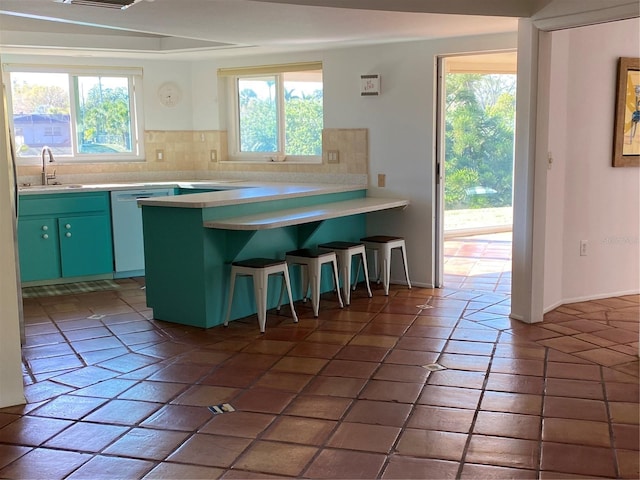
point(626, 135)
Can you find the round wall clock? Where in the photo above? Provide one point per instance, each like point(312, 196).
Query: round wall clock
point(169, 94)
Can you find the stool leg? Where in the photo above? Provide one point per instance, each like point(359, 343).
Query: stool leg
point(336, 281)
point(376, 265)
point(305, 281)
point(260, 291)
point(314, 275)
point(280, 297)
point(386, 268)
point(232, 281)
point(366, 273)
point(345, 267)
point(288, 284)
point(355, 282)
point(404, 262)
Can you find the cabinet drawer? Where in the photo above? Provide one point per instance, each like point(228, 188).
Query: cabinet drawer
point(63, 203)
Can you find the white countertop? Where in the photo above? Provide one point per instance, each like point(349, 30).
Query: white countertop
point(313, 213)
point(248, 192)
point(97, 187)
point(231, 192)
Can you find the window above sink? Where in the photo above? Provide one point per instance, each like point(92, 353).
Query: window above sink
point(82, 115)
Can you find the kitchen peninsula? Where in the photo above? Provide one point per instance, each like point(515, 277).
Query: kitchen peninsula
point(191, 240)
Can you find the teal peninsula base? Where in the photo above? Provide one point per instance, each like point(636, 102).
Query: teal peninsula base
point(191, 240)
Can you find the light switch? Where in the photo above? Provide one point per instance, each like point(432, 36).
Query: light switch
point(333, 156)
point(160, 155)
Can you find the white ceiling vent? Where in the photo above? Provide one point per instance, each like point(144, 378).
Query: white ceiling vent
point(119, 4)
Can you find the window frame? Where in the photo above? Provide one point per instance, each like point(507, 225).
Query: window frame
point(278, 72)
point(134, 81)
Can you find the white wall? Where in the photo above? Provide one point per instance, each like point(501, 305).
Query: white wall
point(11, 389)
point(157, 116)
point(555, 192)
point(401, 126)
point(588, 199)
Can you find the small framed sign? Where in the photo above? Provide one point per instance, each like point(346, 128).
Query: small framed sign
point(370, 85)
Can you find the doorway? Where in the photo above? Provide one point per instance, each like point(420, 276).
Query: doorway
point(476, 137)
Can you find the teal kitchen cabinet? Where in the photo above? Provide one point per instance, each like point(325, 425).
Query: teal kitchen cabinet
point(64, 236)
point(39, 249)
point(85, 245)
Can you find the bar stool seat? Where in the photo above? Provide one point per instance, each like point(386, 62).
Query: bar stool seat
point(311, 261)
point(345, 251)
point(260, 269)
point(382, 245)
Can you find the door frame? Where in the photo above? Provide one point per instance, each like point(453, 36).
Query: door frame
point(439, 164)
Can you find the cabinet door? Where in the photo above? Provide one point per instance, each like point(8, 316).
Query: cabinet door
point(85, 245)
point(38, 249)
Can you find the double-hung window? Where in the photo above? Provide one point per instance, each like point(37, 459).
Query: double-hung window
point(81, 114)
point(276, 112)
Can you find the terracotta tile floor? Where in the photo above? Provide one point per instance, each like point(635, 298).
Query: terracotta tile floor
point(113, 393)
point(479, 262)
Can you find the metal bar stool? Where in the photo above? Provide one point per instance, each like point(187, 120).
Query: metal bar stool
point(260, 269)
point(345, 251)
point(382, 245)
point(311, 261)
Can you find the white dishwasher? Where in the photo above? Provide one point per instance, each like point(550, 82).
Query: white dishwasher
point(126, 219)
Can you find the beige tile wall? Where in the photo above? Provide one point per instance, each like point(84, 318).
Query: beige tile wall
point(189, 152)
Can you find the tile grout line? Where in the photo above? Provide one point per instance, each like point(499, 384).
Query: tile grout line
point(477, 411)
point(612, 444)
point(542, 406)
point(393, 449)
point(260, 435)
point(339, 422)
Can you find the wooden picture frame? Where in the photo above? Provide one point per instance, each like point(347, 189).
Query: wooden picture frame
point(626, 135)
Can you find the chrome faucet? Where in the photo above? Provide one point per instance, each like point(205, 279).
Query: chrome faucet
point(47, 176)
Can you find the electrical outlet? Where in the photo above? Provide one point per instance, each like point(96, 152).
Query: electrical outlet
point(584, 244)
point(202, 137)
point(333, 156)
point(213, 155)
point(160, 155)
point(382, 180)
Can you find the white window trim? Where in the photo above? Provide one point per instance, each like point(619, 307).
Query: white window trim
point(136, 116)
point(235, 155)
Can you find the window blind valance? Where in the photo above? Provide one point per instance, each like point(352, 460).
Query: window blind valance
point(96, 70)
point(269, 69)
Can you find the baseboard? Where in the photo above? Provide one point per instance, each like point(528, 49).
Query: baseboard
point(553, 306)
point(588, 298)
point(61, 281)
point(129, 274)
point(413, 284)
point(520, 318)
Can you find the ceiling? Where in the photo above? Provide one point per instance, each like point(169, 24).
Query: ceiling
point(189, 29)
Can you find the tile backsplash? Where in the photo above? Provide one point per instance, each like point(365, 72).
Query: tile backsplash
point(188, 155)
